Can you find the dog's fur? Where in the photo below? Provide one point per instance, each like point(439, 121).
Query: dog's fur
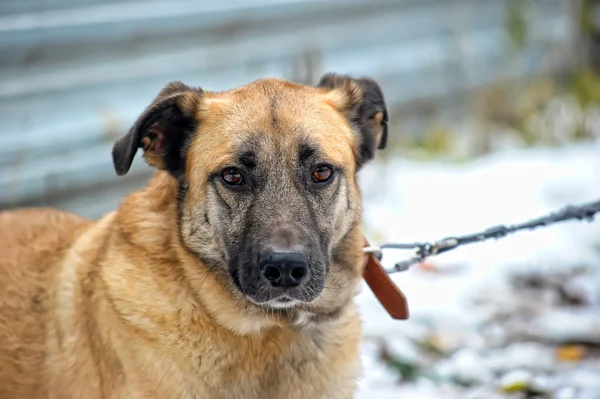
point(156, 299)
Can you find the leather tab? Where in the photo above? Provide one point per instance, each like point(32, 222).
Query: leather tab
point(384, 288)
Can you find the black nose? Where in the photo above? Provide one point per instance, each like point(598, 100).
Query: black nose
point(284, 269)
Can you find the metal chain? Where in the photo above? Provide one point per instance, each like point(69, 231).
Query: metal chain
point(426, 249)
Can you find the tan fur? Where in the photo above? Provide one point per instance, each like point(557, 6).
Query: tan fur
point(118, 308)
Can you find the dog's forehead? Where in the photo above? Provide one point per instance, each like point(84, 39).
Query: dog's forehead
point(270, 116)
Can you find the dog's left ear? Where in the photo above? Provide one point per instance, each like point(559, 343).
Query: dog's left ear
point(361, 101)
point(163, 130)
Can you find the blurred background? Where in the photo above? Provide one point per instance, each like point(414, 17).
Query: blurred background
point(494, 119)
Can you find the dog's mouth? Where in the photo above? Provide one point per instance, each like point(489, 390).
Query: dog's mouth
point(283, 302)
point(259, 293)
point(277, 299)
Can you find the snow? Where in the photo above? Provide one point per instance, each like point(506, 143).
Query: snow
point(407, 201)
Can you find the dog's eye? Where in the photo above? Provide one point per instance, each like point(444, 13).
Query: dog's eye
point(322, 174)
point(232, 176)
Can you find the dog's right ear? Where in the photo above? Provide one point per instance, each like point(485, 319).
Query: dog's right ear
point(163, 130)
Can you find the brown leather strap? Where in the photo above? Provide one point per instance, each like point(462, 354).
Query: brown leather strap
point(386, 291)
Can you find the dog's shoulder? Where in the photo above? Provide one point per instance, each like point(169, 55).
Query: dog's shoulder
point(32, 234)
point(46, 224)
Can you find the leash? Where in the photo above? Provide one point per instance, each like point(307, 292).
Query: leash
point(389, 294)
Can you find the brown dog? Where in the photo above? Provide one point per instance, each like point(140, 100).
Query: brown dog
point(231, 275)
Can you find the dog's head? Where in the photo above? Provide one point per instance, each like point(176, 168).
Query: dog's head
point(267, 176)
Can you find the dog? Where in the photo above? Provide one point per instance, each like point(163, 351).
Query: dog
point(232, 274)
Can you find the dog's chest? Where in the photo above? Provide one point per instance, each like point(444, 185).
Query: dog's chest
point(314, 366)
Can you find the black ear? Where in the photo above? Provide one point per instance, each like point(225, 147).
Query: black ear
point(163, 131)
point(361, 100)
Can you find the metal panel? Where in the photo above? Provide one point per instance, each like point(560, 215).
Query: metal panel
point(75, 74)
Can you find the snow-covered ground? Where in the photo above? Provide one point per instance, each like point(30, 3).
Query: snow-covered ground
point(493, 312)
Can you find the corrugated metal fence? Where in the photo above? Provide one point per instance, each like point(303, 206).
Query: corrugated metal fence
point(75, 73)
